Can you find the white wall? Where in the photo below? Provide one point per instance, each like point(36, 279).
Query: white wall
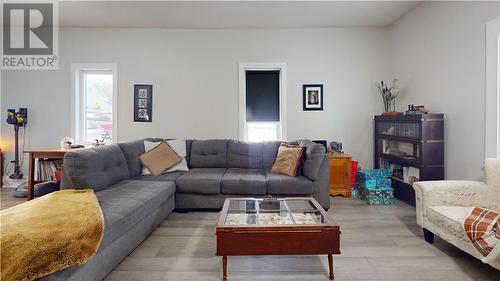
point(438, 52)
point(195, 78)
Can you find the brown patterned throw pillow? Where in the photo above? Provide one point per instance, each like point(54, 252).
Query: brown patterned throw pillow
point(160, 158)
point(289, 160)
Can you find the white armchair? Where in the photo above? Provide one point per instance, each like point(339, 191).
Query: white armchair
point(443, 205)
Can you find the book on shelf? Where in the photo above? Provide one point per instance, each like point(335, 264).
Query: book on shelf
point(45, 169)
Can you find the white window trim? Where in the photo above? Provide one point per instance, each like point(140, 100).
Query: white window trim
point(76, 68)
point(492, 126)
point(243, 67)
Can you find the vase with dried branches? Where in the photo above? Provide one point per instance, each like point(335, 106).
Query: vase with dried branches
point(389, 95)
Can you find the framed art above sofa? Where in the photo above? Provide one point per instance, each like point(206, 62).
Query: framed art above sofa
point(143, 103)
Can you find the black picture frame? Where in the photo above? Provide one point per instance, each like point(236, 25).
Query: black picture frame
point(143, 103)
point(312, 97)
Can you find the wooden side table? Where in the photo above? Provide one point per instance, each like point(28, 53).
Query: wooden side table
point(49, 153)
point(340, 175)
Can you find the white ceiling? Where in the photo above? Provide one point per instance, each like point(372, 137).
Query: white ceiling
point(235, 14)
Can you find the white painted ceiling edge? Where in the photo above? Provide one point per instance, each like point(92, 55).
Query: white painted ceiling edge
point(231, 14)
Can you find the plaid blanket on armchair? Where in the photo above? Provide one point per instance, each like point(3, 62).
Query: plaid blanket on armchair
point(483, 230)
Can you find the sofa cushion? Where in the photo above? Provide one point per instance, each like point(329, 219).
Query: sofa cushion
point(269, 153)
point(163, 177)
point(200, 180)
point(244, 181)
point(449, 217)
point(126, 203)
point(289, 160)
point(278, 184)
point(208, 154)
point(132, 150)
point(160, 158)
point(95, 168)
point(315, 154)
point(244, 155)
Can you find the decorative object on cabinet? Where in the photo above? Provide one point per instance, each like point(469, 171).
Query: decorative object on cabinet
point(312, 97)
point(412, 147)
point(336, 147)
point(340, 175)
point(416, 109)
point(389, 96)
point(143, 103)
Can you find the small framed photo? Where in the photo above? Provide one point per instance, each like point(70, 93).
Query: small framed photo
point(143, 103)
point(312, 97)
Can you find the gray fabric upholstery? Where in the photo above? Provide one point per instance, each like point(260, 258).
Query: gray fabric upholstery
point(198, 201)
point(244, 155)
point(269, 153)
point(201, 181)
point(244, 181)
point(188, 152)
point(126, 203)
point(172, 176)
point(132, 150)
point(315, 153)
point(208, 154)
point(278, 184)
point(109, 257)
point(95, 168)
point(321, 186)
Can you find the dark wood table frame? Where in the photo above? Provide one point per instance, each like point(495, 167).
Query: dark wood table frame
point(310, 239)
point(52, 153)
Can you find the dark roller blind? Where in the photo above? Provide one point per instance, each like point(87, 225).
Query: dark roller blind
point(263, 96)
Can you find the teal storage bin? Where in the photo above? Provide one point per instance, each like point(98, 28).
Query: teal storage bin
point(374, 174)
point(380, 196)
point(370, 184)
point(384, 183)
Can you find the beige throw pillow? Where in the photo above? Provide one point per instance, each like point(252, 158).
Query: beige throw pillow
point(289, 160)
point(160, 158)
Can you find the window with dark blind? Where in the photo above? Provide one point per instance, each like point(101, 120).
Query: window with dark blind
point(262, 96)
point(262, 88)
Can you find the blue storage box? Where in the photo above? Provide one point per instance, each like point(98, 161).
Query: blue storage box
point(374, 174)
point(380, 196)
point(370, 184)
point(384, 183)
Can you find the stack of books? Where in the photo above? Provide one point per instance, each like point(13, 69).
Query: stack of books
point(45, 169)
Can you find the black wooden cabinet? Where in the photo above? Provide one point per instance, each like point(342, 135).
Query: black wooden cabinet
point(412, 146)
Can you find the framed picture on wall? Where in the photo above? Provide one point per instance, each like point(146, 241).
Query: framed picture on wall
point(312, 97)
point(143, 103)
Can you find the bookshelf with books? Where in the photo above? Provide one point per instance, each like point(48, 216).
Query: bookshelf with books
point(45, 169)
point(412, 147)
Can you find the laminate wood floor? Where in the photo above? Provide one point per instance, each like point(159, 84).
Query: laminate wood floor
point(377, 243)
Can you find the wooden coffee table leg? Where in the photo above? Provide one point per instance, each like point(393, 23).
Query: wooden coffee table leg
point(330, 265)
point(224, 268)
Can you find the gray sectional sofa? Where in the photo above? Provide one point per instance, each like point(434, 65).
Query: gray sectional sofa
point(134, 205)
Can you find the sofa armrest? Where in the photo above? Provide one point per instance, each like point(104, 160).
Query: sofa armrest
point(321, 186)
point(448, 192)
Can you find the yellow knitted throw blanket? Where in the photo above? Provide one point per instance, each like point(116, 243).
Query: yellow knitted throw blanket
point(50, 233)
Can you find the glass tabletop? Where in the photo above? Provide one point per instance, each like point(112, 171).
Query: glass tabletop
point(273, 212)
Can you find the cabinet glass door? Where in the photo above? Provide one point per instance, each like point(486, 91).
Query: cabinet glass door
point(409, 130)
point(401, 172)
point(401, 149)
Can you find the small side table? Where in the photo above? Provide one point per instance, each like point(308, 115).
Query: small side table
point(48, 153)
point(340, 175)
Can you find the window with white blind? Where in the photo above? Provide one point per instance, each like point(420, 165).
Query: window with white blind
point(262, 117)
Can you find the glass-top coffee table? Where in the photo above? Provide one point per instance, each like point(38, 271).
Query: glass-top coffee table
point(284, 226)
